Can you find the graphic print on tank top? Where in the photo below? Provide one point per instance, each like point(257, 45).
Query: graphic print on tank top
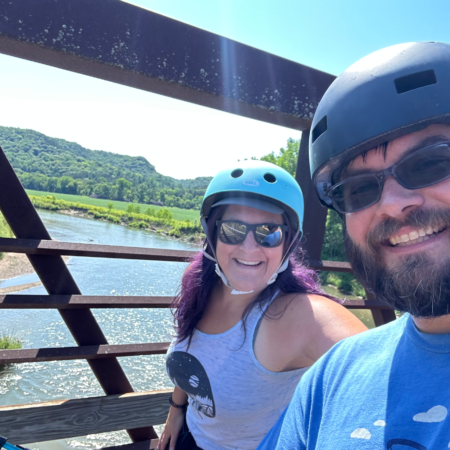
point(187, 373)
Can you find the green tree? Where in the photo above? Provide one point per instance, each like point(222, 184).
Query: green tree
point(164, 213)
point(122, 186)
point(287, 157)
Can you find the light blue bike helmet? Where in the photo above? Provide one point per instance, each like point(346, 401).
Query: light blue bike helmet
point(260, 185)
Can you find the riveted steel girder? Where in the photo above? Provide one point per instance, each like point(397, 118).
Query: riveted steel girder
point(126, 44)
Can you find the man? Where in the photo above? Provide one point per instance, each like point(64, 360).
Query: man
point(380, 156)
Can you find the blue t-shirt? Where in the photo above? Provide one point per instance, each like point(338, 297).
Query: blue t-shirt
point(387, 388)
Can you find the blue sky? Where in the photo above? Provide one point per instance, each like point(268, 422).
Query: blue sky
point(184, 140)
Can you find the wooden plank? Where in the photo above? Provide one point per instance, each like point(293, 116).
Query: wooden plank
point(81, 301)
point(64, 419)
point(88, 352)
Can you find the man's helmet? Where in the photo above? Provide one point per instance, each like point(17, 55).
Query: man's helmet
point(385, 95)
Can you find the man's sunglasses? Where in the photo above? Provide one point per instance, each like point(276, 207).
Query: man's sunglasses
point(234, 232)
point(420, 169)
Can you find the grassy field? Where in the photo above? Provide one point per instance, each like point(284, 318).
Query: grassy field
point(178, 213)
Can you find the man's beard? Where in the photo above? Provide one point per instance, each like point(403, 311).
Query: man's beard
point(415, 283)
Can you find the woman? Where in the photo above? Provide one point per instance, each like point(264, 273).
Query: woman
point(250, 319)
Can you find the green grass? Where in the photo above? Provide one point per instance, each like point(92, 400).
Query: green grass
point(178, 213)
point(10, 342)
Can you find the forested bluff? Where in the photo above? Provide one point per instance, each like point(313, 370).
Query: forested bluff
point(49, 164)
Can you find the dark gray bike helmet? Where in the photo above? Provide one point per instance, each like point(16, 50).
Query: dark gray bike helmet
point(385, 95)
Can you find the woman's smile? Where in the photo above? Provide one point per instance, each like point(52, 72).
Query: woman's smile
point(248, 265)
point(242, 262)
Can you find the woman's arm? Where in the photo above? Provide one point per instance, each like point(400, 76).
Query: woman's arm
point(174, 422)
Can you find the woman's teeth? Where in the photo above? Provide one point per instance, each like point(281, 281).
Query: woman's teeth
point(248, 263)
point(416, 236)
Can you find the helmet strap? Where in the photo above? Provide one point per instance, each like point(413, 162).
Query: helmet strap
point(285, 261)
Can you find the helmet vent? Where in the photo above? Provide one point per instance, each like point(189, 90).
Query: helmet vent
point(415, 81)
point(237, 173)
point(320, 128)
point(270, 178)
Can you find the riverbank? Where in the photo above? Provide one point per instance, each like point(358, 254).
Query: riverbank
point(14, 265)
point(160, 222)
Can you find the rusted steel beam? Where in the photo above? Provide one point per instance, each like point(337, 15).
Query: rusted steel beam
point(25, 223)
point(48, 247)
point(366, 304)
point(329, 266)
point(88, 352)
point(316, 215)
point(383, 316)
point(63, 419)
point(126, 44)
point(100, 301)
point(81, 302)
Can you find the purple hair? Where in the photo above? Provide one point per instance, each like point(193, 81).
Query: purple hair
point(200, 278)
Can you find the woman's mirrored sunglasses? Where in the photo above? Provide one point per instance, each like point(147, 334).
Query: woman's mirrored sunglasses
point(420, 169)
point(234, 232)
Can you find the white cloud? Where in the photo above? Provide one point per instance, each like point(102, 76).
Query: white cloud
point(380, 423)
point(361, 433)
point(435, 414)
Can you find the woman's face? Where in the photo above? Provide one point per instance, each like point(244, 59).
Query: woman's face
point(248, 266)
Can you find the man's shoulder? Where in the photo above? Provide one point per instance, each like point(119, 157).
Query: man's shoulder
point(391, 330)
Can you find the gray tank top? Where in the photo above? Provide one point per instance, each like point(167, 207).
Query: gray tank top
point(233, 400)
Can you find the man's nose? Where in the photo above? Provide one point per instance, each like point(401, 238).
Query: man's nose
point(397, 201)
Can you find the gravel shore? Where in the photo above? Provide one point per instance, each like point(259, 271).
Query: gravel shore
point(14, 265)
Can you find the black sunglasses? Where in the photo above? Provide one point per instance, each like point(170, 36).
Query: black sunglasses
point(420, 169)
point(234, 232)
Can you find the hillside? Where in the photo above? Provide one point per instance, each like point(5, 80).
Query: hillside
point(49, 164)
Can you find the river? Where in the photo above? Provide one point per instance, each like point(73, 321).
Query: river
point(38, 328)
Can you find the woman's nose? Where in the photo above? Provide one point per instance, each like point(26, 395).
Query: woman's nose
point(249, 241)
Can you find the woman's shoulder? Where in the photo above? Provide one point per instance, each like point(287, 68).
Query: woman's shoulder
point(313, 321)
point(302, 305)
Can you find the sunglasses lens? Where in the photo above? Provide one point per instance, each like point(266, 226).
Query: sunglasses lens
point(356, 193)
point(269, 235)
point(232, 233)
point(425, 167)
